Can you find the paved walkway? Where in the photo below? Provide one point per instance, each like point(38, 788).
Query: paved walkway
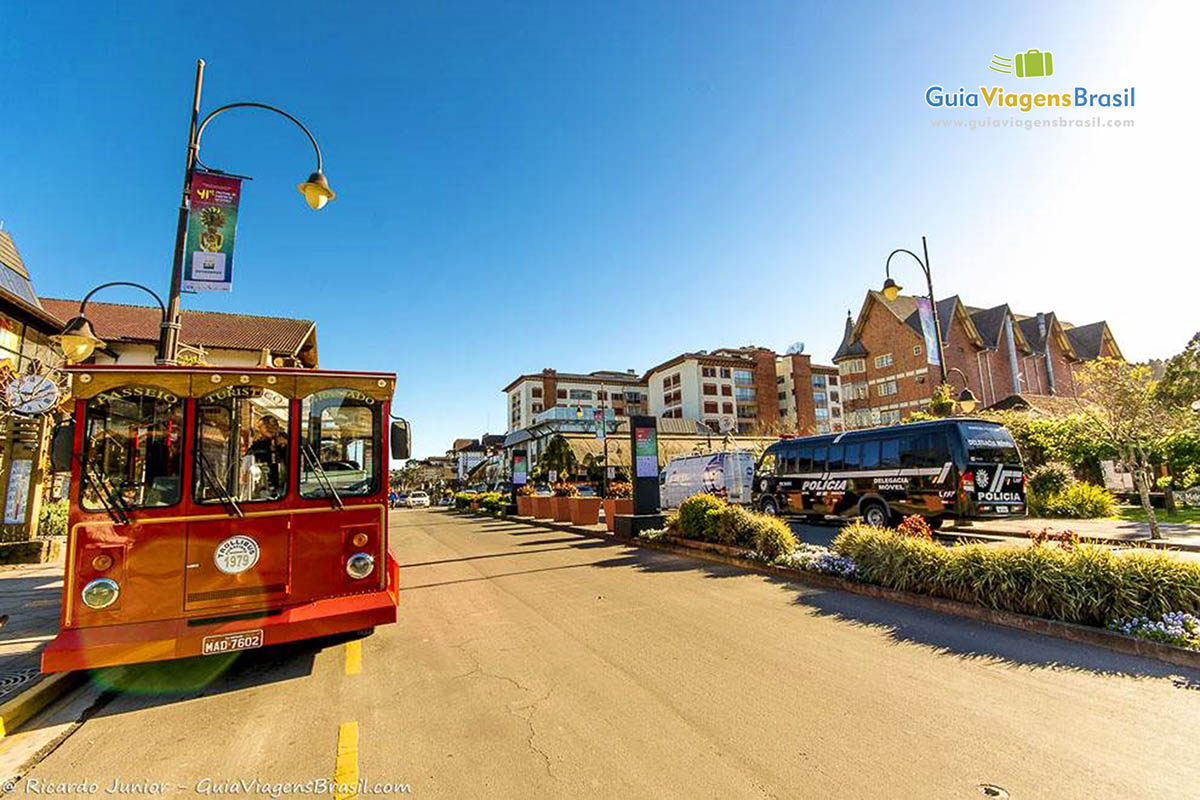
point(30, 594)
point(1181, 535)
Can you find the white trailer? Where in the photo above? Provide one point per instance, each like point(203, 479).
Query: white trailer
point(728, 474)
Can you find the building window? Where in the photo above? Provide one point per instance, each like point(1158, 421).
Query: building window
point(886, 389)
point(783, 395)
point(726, 390)
point(537, 391)
point(835, 411)
point(820, 398)
point(710, 388)
point(743, 376)
point(710, 407)
point(708, 372)
point(745, 393)
point(633, 397)
point(821, 414)
point(818, 381)
point(779, 379)
point(884, 360)
point(562, 394)
point(916, 349)
point(725, 373)
point(834, 397)
point(537, 407)
point(852, 366)
point(833, 380)
point(890, 417)
point(581, 394)
point(673, 380)
point(727, 408)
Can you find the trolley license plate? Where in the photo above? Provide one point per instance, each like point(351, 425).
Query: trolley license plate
point(228, 642)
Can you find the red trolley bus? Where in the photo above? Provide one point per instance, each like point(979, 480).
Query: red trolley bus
point(217, 509)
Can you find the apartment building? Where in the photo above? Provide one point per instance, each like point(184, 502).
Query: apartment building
point(810, 395)
point(730, 390)
point(886, 372)
point(529, 395)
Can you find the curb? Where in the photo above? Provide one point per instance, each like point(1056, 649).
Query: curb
point(1151, 544)
point(1084, 634)
point(18, 710)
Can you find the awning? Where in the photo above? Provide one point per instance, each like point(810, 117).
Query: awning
point(516, 437)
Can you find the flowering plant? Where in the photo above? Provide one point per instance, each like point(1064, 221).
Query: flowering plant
point(619, 490)
point(564, 489)
point(916, 527)
point(526, 491)
point(813, 558)
point(1175, 627)
point(1067, 540)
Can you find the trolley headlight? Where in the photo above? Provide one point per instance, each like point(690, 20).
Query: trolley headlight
point(100, 593)
point(360, 565)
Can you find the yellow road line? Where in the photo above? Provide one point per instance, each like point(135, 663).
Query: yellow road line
point(353, 657)
point(345, 770)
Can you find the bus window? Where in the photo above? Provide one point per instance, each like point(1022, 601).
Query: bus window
point(818, 462)
point(852, 457)
point(767, 465)
point(911, 448)
point(835, 458)
point(339, 429)
point(870, 454)
point(805, 464)
point(989, 443)
point(134, 449)
point(889, 456)
point(241, 445)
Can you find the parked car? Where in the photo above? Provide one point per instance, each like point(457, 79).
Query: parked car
point(729, 474)
point(417, 500)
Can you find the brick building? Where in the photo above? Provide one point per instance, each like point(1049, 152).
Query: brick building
point(530, 395)
point(885, 369)
point(809, 395)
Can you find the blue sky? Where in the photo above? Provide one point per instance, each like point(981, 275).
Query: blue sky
point(604, 185)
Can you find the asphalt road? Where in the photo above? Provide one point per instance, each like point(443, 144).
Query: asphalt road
point(534, 663)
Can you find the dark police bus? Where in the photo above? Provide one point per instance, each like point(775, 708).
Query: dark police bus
point(945, 469)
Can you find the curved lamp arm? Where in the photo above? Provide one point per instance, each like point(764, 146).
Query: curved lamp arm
point(280, 111)
point(161, 306)
point(887, 267)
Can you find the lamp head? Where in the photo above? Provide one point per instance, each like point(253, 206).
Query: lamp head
point(967, 401)
point(316, 191)
point(891, 290)
point(78, 340)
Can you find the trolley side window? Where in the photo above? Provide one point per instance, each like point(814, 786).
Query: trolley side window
point(133, 455)
point(339, 440)
point(767, 465)
point(241, 446)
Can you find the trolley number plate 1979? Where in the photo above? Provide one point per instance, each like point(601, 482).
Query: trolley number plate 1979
point(228, 642)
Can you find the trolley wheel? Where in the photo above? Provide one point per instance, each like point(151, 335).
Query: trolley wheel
point(768, 506)
point(876, 513)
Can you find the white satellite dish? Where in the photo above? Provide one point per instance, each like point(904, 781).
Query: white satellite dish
point(726, 424)
point(796, 349)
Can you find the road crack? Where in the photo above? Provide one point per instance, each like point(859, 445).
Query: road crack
point(477, 671)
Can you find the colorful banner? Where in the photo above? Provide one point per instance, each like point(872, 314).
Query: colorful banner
point(520, 474)
point(645, 452)
point(932, 351)
point(212, 226)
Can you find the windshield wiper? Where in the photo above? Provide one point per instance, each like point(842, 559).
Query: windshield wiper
point(322, 477)
point(208, 475)
point(107, 494)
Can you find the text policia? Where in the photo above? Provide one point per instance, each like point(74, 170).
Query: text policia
point(996, 97)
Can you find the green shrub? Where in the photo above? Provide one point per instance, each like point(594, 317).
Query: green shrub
point(1050, 478)
point(1078, 501)
point(1084, 584)
point(463, 500)
point(493, 501)
point(694, 520)
point(773, 539)
point(735, 525)
point(52, 520)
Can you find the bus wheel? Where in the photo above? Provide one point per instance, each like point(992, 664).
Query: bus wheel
point(876, 514)
point(767, 506)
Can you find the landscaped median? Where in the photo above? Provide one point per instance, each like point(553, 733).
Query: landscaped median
point(1135, 601)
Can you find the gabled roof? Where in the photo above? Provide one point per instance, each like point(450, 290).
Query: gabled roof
point(1088, 340)
point(850, 347)
point(1032, 331)
point(117, 322)
point(990, 324)
point(16, 290)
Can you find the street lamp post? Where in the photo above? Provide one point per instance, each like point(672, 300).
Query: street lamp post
point(966, 398)
point(316, 193)
point(78, 339)
point(891, 290)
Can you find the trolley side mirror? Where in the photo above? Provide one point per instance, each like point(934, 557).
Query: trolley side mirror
point(401, 440)
point(61, 445)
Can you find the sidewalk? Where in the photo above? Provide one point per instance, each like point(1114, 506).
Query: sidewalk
point(30, 594)
point(1177, 535)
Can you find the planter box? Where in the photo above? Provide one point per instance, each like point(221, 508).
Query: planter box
point(614, 506)
point(474, 505)
point(585, 510)
point(543, 507)
point(524, 506)
point(562, 509)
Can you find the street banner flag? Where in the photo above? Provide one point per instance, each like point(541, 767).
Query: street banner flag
point(212, 226)
point(925, 309)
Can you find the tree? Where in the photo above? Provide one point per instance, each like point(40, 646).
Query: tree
point(559, 457)
point(1120, 405)
point(1180, 382)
